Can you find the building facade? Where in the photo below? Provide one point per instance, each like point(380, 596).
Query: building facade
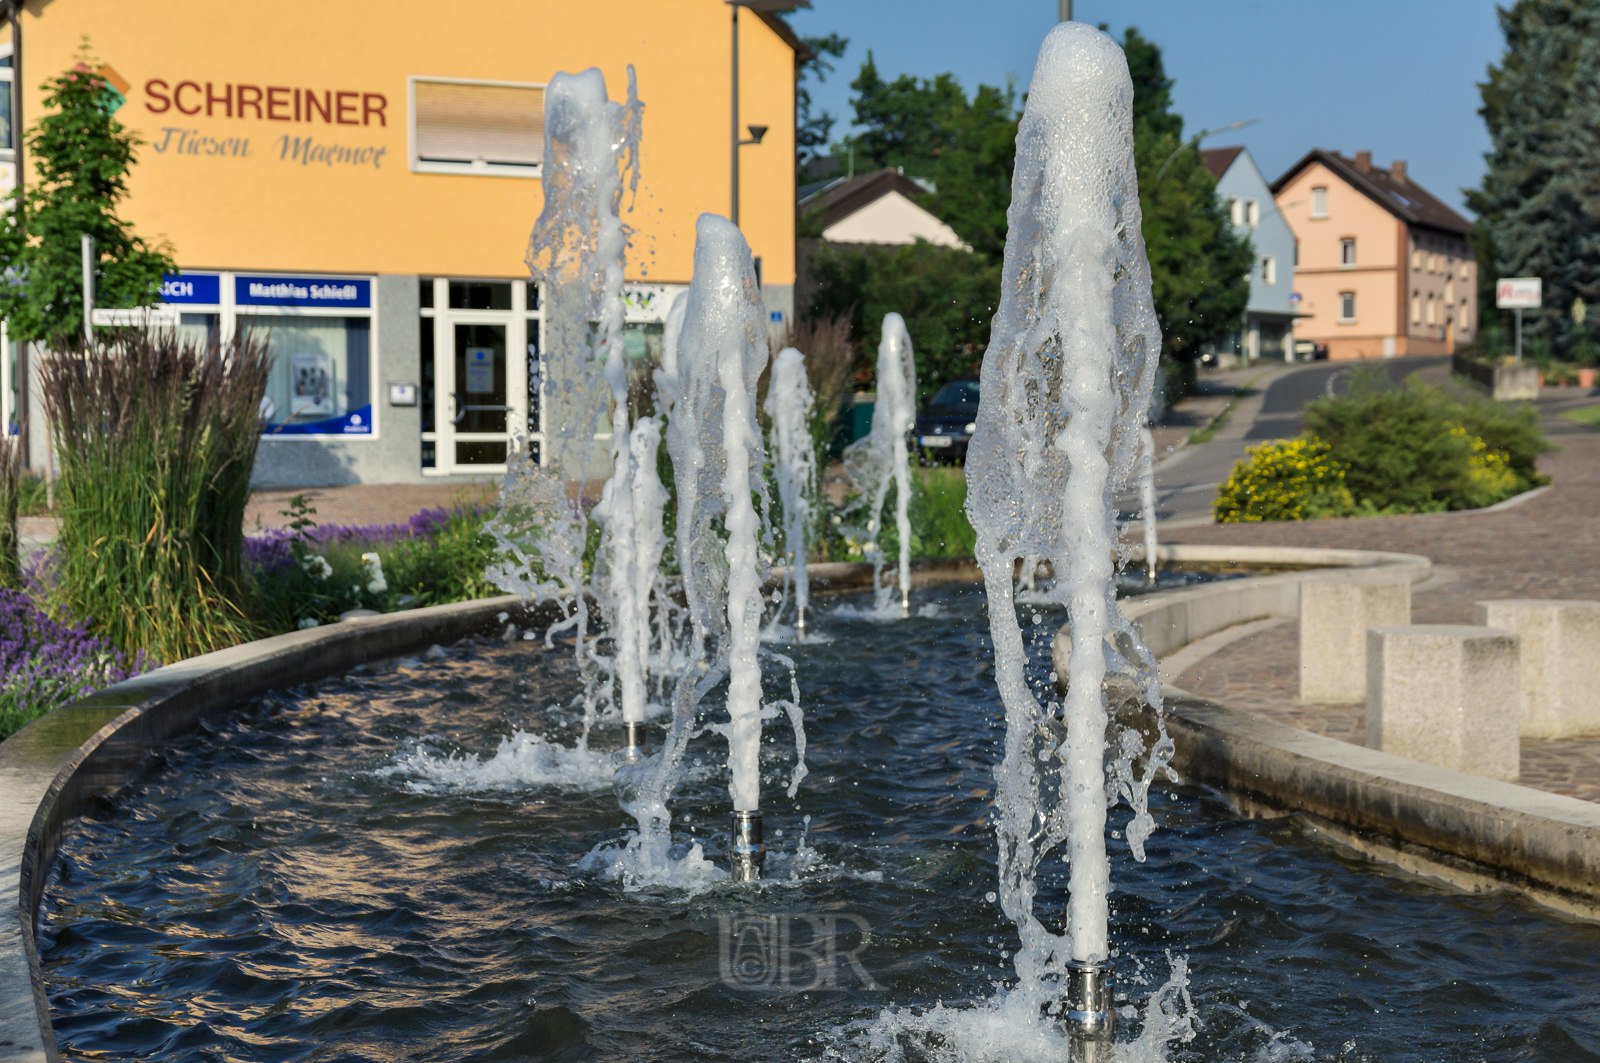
point(361, 179)
point(1267, 330)
point(1383, 268)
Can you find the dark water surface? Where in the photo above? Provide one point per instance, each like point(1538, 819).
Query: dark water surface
point(268, 894)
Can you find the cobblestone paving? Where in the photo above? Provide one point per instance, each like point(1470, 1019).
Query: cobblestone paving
point(1548, 547)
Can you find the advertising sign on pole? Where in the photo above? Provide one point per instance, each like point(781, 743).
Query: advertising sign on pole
point(1518, 293)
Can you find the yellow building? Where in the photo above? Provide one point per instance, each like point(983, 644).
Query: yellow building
point(362, 177)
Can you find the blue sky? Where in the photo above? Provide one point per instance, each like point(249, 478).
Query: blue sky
point(1397, 78)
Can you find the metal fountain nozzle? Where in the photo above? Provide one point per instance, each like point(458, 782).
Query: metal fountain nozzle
point(632, 751)
point(748, 853)
point(800, 624)
point(1087, 1012)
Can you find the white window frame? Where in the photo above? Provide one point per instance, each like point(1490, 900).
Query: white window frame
point(1252, 213)
point(480, 167)
point(1269, 270)
point(1323, 213)
point(1342, 297)
point(1347, 243)
point(1236, 211)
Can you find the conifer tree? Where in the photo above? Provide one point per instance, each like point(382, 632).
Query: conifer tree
point(1539, 205)
point(81, 155)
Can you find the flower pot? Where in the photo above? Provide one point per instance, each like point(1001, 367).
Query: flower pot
point(1586, 378)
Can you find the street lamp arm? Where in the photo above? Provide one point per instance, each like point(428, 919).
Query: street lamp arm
point(1197, 138)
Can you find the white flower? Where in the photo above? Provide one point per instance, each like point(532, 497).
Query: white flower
point(308, 622)
point(316, 565)
point(376, 584)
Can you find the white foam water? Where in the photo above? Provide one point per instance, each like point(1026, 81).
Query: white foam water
point(789, 404)
point(881, 459)
point(521, 760)
point(1147, 498)
point(1067, 379)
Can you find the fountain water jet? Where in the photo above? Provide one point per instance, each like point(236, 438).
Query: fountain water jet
point(1147, 498)
point(1066, 380)
point(789, 403)
point(882, 458)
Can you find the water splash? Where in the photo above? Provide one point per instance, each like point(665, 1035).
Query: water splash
point(1066, 380)
point(881, 458)
point(521, 760)
point(789, 403)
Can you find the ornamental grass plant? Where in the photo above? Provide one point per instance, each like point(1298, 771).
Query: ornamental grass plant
point(11, 485)
point(155, 436)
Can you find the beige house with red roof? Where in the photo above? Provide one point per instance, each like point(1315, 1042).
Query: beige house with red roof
point(1382, 268)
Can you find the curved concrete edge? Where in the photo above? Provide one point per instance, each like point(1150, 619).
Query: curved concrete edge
point(1169, 621)
point(1498, 833)
point(54, 768)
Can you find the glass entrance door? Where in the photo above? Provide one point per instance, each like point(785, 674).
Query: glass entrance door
point(479, 400)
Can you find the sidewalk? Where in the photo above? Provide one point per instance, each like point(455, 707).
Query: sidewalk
point(1547, 547)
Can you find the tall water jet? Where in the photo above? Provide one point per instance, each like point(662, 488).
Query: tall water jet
point(882, 458)
point(788, 406)
point(577, 253)
point(1066, 380)
point(1147, 498)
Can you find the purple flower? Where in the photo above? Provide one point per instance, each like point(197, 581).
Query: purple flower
point(272, 550)
point(45, 662)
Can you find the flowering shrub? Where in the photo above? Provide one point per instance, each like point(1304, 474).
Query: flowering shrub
point(307, 574)
point(45, 663)
point(1490, 477)
point(1294, 480)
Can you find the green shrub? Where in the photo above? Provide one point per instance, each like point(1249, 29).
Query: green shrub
point(1416, 448)
point(1293, 480)
point(939, 525)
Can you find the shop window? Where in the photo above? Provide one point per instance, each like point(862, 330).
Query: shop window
point(1347, 306)
point(7, 72)
point(320, 382)
point(425, 292)
point(477, 127)
point(535, 371)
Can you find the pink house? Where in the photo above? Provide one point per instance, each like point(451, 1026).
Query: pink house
point(1382, 268)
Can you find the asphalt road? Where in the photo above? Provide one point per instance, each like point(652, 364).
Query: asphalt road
point(1187, 479)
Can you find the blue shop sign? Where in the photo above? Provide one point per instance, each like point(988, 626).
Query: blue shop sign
point(341, 292)
point(195, 289)
point(354, 423)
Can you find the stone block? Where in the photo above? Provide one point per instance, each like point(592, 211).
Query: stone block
point(1335, 614)
point(1446, 694)
point(1560, 669)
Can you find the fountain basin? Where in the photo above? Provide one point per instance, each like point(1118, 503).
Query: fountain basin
point(58, 769)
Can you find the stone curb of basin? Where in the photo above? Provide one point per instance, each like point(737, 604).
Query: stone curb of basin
point(1476, 833)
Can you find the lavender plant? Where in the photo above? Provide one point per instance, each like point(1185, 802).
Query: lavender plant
point(45, 663)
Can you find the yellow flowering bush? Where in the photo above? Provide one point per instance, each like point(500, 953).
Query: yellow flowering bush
point(1490, 477)
point(1293, 480)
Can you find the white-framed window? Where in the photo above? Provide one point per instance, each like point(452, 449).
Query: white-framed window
point(1252, 213)
point(1347, 306)
point(1347, 251)
point(1416, 308)
point(1431, 312)
point(1236, 211)
point(1319, 202)
point(1269, 270)
point(461, 125)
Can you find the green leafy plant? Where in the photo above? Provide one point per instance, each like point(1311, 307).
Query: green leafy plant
point(81, 156)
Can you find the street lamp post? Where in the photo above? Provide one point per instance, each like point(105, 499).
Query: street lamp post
point(756, 131)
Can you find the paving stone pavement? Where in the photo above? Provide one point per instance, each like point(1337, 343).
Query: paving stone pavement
point(1547, 547)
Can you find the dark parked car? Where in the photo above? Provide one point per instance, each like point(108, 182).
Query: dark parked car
point(946, 422)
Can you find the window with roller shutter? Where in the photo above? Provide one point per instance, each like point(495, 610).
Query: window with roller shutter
point(485, 127)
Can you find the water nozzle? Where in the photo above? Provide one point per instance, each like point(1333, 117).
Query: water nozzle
point(632, 751)
point(1087, 1012)
point(800, 624)
point(748, 853)
point(905, 603)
